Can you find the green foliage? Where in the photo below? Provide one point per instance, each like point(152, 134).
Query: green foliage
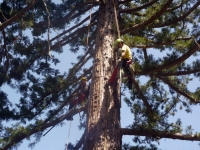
point(128, 147)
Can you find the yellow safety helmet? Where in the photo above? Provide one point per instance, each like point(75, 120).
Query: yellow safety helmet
point(119, 41)
point(83, 78)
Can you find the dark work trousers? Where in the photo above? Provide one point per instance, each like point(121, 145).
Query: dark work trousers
point(126, 67)
point(127, 71)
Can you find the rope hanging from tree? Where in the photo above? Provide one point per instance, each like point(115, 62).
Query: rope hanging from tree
point(107, 90)
point(68, 135)
point(87, 38)
point(197, 43)
point(118, 32)
point(48, 15)
point(116, 20)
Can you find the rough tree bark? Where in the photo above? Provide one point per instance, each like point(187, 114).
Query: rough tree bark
point(103, 123)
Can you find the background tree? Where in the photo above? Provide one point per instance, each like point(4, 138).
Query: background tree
point(34, 31)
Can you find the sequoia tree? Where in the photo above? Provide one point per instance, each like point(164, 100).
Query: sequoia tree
point(33, 32)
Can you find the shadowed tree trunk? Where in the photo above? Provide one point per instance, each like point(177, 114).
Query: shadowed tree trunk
point(103, 124)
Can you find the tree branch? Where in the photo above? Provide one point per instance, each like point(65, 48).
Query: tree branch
point(179, 73)
point(76, 26)
point(58, 44)
point(124, 1)
point(150, 20)
point(160, 134)
point(67, 17)
point(18, 15)
point(6, 54)
point(159, 44)
point(165, 80)
point(48, 34)
point(131, 10)
point(170, 22)
point(145, 54)
point(175, 62)
point(80, 142)
point(60, 108)
point(22, 135)
point(143, 98)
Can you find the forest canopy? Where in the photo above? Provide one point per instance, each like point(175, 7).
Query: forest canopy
point(164, 37)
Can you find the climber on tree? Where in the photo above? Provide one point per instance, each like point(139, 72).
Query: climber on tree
point(82, 95)
point(126, 60)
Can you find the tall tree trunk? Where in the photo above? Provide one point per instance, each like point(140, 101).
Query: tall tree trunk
point(103, 124)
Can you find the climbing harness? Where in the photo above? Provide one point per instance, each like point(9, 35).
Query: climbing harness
point(118, 69)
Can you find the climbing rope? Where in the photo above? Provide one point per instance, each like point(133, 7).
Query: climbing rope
point(116, 20)
point(107, 90)
point(84, 60)
point(87, 38)
point(118, 31)
point(197, 43)
point(48, 15)
point(68, 135)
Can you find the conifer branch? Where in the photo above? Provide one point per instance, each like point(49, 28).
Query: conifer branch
point(170, 22)
point(18, 15)
point(57, 90)
point(19, 136)
point(166, 81)
point(81, 63)
point(150, 20)
point(5, 51)
point(175, 7)
point(161, 44)
point(102, 2)
point(145, 54)
point(197, 43)
point(69, 16)
point(179, 60)
point(61, 42)
point(63, 105)
point(160, 134)
point(76, 26)
point(65, 40)
point(173, 105)
point(131, 10)
point(124, 1)
point(149, 110)
point(57, 44)
point(80, 142)
point(48, 34)
point(179, 73)
point(3, 15)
